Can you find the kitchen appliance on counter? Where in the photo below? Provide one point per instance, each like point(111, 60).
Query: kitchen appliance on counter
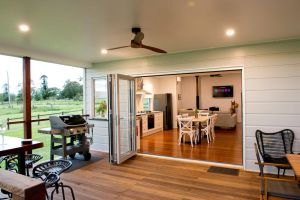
point(163, 102)
point(150, 121)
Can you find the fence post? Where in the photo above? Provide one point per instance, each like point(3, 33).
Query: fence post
point(82, 111)
point(62, 113)
point(38, 116)
point(7, 123)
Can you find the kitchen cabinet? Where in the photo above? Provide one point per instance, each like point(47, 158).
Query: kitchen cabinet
point(158, 123)
point(138, 133)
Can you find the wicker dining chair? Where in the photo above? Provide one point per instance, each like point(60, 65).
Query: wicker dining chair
point(283, 188)
point(274, 146)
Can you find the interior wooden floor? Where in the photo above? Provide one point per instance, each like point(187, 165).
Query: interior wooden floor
point(146, 178)
point(226, 148)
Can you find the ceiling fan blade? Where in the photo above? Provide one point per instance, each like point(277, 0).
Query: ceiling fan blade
point(117, 48)
point(153, 49)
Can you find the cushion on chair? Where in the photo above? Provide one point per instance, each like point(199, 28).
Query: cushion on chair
point(281, 160)
point(283, 189)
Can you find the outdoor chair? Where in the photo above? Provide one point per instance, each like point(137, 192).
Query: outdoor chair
point(30, 159)
point(273, 147)
point(49, 172)
point(10, 162)
point(8, 166)
point(283, 188)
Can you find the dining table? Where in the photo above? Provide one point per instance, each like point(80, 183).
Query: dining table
point(294, 160)
point(13, 145)
point(199, 120)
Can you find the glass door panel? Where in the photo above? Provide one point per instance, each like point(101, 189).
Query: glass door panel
point(121, 117)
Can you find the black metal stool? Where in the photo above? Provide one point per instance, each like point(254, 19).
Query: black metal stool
point(49, 172)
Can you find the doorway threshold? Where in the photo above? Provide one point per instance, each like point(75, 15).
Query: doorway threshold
point(203, 162)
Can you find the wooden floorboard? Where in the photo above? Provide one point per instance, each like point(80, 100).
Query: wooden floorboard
point(148, 178)
point(226, 148)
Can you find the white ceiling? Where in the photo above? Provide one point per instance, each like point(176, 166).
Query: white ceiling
point(79, 29)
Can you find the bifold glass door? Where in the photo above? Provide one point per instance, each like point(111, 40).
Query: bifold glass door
point(122, 128)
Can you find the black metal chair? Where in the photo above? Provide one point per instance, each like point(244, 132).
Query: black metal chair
point(8, 166)
point(283, 188)
point(10, 162)
point(30, 159)
point(273, 147)
point(49, 172)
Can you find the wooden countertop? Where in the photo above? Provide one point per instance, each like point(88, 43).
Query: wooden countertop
point(149, 113)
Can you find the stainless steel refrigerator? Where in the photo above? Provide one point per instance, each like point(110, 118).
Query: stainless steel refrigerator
point(163, 102)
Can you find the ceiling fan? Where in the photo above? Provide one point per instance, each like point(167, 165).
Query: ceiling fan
point(137, 42)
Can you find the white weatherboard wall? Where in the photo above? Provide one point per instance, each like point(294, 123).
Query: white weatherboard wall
point(272, 89)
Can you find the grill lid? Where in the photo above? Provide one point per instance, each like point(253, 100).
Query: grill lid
point(61, 122)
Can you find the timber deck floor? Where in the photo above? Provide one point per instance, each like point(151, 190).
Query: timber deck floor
point(147, 178)
point(226, 148)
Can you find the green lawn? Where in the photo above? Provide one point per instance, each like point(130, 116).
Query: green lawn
point(38, 108)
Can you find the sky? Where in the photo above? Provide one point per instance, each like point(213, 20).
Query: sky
point(57, 74)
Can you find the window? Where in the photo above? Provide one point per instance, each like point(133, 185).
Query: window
point(11, 96)
point(147, 104)
point(100, 98)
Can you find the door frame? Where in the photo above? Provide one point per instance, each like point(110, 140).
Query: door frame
point(203, 70)
point(113, 90)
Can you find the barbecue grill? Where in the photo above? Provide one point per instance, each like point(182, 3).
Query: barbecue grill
point(69, 135)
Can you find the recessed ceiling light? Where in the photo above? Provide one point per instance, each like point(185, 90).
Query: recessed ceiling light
point(230, 32)
point(24, 28)
point(191, 3)
point(104, 51)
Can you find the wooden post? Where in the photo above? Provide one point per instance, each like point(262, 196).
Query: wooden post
point(7, 124)
point(38, 116)
point(27, 98)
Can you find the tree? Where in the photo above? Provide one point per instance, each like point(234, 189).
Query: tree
point(72, 90)
point(20, 96)
point(44, 86)
point(53, 92)
point(5, 92)
point(36, 95)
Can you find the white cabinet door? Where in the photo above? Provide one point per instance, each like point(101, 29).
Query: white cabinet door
point(145, 123)
point(158, 118)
